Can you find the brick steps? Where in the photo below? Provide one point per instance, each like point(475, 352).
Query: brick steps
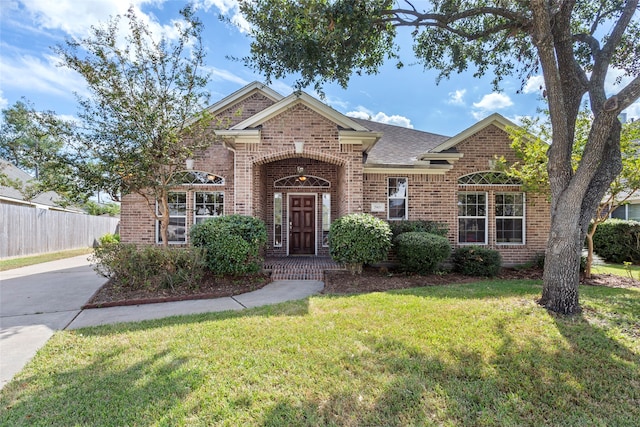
point(299, 268)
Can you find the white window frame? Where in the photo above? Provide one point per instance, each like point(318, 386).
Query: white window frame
point(215, 205)
point(278, 196)
point(326, 220)
point(405, 198)
point(522, 217)
point(476, 217)
point(184, 217)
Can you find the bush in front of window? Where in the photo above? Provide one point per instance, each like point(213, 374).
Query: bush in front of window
point(134, 267)
point(476, 261)
point(419, 225)
point(358, 239)
point(234, 244)
point(617, 241)
point(420, 252)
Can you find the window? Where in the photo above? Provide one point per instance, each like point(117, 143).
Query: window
point(208, 205)
point(472, 218)
point(397, 193)
point(326, 218)
point(510, 218)
point(177, 232)
point(277, 220)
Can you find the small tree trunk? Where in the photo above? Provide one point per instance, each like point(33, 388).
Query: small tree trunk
point(592, 231)
point(164, 220)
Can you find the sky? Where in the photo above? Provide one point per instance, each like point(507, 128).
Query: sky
point(406, 97)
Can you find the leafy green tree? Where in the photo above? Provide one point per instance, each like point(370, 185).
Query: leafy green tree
point(532, 167)
point(144, 115)
point(38, 143)
point(572, 43)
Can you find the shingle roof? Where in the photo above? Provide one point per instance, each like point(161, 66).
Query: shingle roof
point(49, 198)
point(399, 145)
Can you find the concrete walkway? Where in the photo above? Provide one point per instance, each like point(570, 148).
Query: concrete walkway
point(36, 301)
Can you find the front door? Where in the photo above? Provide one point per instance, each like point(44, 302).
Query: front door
point(302, 225)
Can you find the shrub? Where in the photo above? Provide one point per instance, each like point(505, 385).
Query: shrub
point(234, 244)
point(618, 241)
point(476, 261)
point(109, 238)
point(148, 266)
point(421, 252)
point(358, 239)
point(421, 225)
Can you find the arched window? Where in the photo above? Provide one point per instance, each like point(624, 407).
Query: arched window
point(197, 178)
point(488, 178)
point(297, 181)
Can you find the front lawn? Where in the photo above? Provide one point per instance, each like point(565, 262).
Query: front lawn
point(469, 354)
point(632, 271)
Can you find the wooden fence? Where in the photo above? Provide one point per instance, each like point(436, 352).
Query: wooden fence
point(26, 230)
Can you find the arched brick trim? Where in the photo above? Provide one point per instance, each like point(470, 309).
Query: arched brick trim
point(290, 154)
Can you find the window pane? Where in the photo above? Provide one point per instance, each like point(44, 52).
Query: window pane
point(509, 231)
point(397, 208)
point(398, 187)
point(208, 204)
point(471, 230)
point(277, 219)
point(633, 212)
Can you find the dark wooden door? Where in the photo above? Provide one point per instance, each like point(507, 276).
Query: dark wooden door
point(302, 227)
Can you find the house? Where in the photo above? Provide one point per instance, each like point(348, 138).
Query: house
point(49, 200)
point(298, 164)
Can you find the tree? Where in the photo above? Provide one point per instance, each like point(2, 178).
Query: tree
point(37, 142)
point(532, 169)
point(144, 115)
point(573, 43)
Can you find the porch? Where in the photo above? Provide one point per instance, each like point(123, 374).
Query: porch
point(299, 267)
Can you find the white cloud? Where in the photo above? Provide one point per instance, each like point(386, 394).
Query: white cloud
point(226, 6)
point(490, 103)
point(33, 74)
point(535, 84)
point(218, 74)
point(456, 98)
point(380, 117)
point(4, 102)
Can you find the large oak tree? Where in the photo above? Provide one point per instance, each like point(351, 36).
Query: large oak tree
point(573, 43)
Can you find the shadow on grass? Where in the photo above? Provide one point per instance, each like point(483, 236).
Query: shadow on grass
point(579, 377)
point(116, 394)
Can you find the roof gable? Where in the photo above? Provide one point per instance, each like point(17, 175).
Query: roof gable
point(296, 98)
point(243, 93)
point(493, 120)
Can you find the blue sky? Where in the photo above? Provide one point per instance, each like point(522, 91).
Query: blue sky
point(406, 97)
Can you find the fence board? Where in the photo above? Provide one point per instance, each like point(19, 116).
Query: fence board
point(26, 230)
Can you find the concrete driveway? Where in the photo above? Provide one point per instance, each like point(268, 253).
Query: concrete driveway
point(35, 301)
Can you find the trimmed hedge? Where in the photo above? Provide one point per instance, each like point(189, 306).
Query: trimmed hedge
point(234, 243)
point(420, 225)
point(617, 241)
point(358, 239)
point(149, 266)
point(476, 261)
point(421, 252)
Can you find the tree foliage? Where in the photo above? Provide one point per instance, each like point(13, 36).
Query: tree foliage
point(144, 115)
point(38, 142)
point(571, 43)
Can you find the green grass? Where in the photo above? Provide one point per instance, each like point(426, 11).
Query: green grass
point(617, 269)
point(8, 264)
point(482, 354)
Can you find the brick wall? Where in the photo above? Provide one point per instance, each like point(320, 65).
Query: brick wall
point(434, 197)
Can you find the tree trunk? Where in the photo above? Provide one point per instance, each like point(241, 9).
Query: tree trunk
point(562, 262)
point(164, 219)
point(592, 231)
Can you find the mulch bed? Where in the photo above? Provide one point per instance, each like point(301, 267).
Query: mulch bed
point(336, 282)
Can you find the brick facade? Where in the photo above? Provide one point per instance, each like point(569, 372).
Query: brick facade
point(251, 168)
